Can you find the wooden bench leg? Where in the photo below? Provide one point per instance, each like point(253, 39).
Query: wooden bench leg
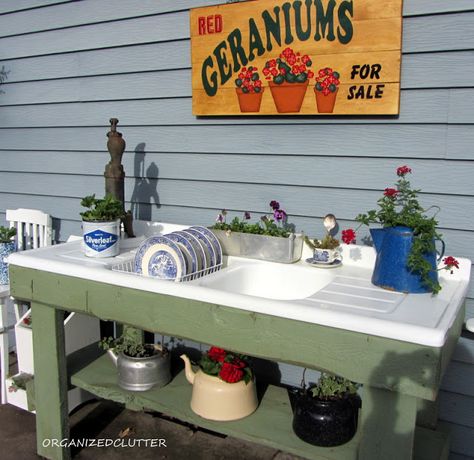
point(52, 418)
point(388, 425)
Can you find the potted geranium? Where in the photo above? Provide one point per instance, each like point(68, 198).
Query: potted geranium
point(7, 246)
point(326, 414)
point(224, 387)
point(249, 89)
point(288, 77)
point(325, 89)
point(272, 238)
point(140, 366)
point(405, 244)
point(101, 225)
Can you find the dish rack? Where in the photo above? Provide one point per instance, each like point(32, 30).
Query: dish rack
point(127, 267)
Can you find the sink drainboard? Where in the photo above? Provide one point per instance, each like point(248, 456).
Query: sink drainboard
point(358, 294)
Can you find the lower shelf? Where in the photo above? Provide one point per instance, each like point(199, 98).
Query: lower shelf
point(270, 425)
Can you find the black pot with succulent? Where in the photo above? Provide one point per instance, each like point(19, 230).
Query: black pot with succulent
point(326, 414)
point(140, 366)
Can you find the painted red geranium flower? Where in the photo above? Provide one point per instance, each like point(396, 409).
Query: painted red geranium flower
point(348, 236)
point(390, 192)
point(450, 262)
point(403, 170)
point(231, 373)
point(216, 354)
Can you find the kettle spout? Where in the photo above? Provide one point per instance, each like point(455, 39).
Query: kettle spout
point(190, 374)
point(113, 355)
point(377, 235)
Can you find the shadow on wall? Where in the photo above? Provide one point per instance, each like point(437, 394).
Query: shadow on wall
point(388, 415)
point(144, 195)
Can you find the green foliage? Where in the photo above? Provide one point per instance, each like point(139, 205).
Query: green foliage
point(400, 207)
point(6, 234)
point(332, 387)
point(328, 242)
point(129, 346)
point(269, 227)
point(104, 210)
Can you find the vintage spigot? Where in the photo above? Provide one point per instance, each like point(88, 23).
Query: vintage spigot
point(114, 173)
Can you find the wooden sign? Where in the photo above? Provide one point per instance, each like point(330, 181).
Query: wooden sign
point(297, 57)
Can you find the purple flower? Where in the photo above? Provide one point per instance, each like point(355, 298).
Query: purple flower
point(279, 215)
point(246, 215)
point(274, 205)
point(220, 218)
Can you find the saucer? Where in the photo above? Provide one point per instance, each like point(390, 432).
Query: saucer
point(334, 264)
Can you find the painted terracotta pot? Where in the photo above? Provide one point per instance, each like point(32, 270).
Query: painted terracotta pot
point(324, 103)
point(249, 102)
point(214, 399)
point(288, 97)
point(325, 423)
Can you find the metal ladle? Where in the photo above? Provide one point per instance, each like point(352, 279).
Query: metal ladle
point(329, 222)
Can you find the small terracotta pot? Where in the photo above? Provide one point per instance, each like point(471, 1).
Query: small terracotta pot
point(324, 103)
point(249, 102)
point(288, 97)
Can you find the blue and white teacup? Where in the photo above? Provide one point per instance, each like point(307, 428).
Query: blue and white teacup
point(326, 256)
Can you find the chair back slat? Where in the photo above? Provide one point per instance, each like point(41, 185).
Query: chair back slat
point(34, 228)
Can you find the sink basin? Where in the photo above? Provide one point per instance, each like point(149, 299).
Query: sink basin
point(272, 281)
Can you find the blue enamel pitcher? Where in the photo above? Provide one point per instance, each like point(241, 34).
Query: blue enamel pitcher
point(393, 246)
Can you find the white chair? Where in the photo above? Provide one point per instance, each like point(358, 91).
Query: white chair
point(34, 230)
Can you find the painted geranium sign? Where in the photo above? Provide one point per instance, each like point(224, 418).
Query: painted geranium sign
point(297, 57)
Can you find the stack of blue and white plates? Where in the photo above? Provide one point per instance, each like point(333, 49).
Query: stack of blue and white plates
point(180, 255)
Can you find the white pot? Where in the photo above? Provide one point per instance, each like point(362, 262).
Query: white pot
point(101, 239)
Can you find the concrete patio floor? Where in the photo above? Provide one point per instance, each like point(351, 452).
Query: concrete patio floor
point(105, 420)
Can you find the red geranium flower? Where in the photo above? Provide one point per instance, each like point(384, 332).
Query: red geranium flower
point(403, 170)
point(450, 262)
point(348, 236)
point(216, 354)
point(391, 192)
point(231, 373)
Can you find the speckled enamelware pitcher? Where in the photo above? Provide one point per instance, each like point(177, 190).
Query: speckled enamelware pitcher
point(393, 246)
point(5, 250)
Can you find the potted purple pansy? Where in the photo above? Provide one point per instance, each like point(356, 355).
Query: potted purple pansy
point(271, 238)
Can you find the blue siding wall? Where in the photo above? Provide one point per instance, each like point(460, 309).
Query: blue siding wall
point(75, 64)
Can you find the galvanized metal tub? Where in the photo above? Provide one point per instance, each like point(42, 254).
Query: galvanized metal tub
point(263, 247)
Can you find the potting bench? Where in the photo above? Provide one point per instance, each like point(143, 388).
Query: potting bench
point(400, 379)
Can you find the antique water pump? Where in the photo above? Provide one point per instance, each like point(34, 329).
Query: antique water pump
point(114, 173)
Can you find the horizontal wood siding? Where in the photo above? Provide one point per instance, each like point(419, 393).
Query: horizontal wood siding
point(74, 64)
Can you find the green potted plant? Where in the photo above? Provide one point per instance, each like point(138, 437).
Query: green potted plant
point(272, 238)
point(249, 89)
point(405, 244)
point(140, 366)
point(101, 225)
point(7, 246)
point(325, 251)
point(288, 77)
point(326, 413)
point(223, 387)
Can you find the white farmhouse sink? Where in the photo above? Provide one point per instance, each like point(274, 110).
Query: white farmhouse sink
point(268, 280)
point(341, 297)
